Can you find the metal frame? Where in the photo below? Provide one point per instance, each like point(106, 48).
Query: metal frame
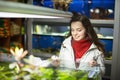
point(30, 22)
point(115, 71)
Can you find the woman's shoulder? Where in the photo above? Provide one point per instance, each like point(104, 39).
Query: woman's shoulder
point(66, 42)
point(68, 39)
point(94, 49)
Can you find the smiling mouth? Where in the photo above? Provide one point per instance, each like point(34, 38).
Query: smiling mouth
point(76, 38)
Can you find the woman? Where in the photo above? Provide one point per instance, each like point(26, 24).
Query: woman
point(82, 49)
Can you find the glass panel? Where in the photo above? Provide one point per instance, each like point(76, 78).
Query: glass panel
point(47, 39)
point(104, 32)
point(105, 35)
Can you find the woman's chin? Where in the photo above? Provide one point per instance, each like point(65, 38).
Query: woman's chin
point(77, 39)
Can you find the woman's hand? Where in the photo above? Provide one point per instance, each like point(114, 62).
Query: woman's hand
point(55, 61)
point(92, 63)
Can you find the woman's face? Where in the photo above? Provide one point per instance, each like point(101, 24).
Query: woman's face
point(78, 31)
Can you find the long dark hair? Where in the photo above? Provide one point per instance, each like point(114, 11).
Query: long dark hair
point(89, 29)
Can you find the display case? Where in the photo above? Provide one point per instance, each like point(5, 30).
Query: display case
point(51, 27)
point(47, 32)
point(103, 27)
point(116, 48)
point(48, 35)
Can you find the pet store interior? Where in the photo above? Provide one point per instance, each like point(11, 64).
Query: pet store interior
point(40, 27)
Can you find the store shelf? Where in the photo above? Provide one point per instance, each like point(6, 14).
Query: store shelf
point(30, 11)
point(43, 55)
point(106, 23)
point(57, 20)
point(108, 61)
point(105, 37)
point(66, 20)
point(53, 34)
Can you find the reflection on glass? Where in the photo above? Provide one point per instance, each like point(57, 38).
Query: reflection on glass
point(105, 35)
point(47, 39)
point(50, 30)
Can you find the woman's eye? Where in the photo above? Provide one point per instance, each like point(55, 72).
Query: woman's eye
point(79, 30)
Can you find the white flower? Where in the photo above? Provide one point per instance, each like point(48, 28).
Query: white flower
point(54, 57)
point(26, 77)
point(45, 63)
point(37, 61)
point(33, 60)
point(18, 53)
point(14, 65)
